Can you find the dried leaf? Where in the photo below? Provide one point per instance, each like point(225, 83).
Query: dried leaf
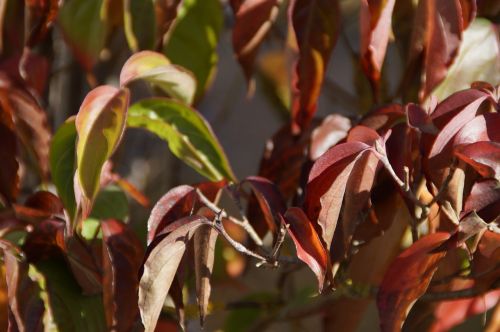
point(309, 247)
point(315, 25)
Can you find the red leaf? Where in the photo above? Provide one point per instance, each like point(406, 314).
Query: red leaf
point(484, 157)
point(449, 314)
point(469, 9)
point(39, 17)
point(437, 35)
point(253, 20)
point(406, 279)
point(327, 184)
point(484, 198)
point(122, 259)
point(316, 26)
point(331, 131)
point(384, 118)
point(309, 247)
point(449, 107)
point(9, 179)
point(375, 20)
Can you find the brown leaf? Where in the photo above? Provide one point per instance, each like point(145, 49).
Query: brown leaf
point(161, 266)
point(375, 20)
point(166, 13)
point(309, 247)
point(39, 16)
point(406, 279)
point(253, 20)
point(9, 179)
point(204, 249)
point(122, 259)
point(315, 24)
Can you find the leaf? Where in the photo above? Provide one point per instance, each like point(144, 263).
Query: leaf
point(375, 20)
point(156, 69)
point(239, 319)
point(481, 128)
point(309, 247)
point(197, 27)
point(40, 205)
point(110, 203)
point(315, 25)
point(204, 250)
point(477, 60)
point(449, 314)
point(139, 24)
point(31, 125)
point(100, 124)
point(406, 279)
point(484, 198)
point(332, 130)
point(166, 13)
point(71, 311)
point(327, 183)
point(436, 41)
point(9, 179)
point(469, 226)
point(189, 136)
point(484, 157)
point(161, 266)
point(83, 29)
point(253, 19)
point(175, 204)
point(62, 164)
point(122, 259)
point(26, 309)
point(39, 16)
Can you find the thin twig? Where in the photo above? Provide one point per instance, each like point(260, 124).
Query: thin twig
point(245, 224)
point(445, 184)
point(279, 240)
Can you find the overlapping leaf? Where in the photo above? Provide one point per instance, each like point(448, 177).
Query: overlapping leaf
point(315, 25)
point(197, 27)
point(100, 124)
point(406, 279)
point(309, 247)
point(165, 14)
point(139, 24)
point(156, 69)
point(253, 19)
point(375, 19)
point(189, 136)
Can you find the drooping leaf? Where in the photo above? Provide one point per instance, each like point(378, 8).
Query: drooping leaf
point(204, 250)
point(122, 259)
point(70, 309)
point(156, 69)
point(253, 19)
point(327, 183)
point(406, 279)
point(484, 157)
point(161, 266)
point(100, 124)
point(84, 29)
point(315, 25)
point(477, 60)
point(189, 136)
point(197, 27)
point(435, 41)
point(165, 13)
point(62, 164)
point(375, 20)
point(139, 24)
point(309, 247)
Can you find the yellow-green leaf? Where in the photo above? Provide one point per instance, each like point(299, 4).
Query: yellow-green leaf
point(189, 136)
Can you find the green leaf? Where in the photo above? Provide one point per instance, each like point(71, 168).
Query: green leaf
point(477, 60)
point(62, 164)
point(189, 136)
point(194, 37)
point(83, 29)
point(156, 69)
point(110, 203)
point(140, 24)
point(71, 310)
point(100, 124)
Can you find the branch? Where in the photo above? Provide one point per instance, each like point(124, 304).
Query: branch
point(245, 224)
